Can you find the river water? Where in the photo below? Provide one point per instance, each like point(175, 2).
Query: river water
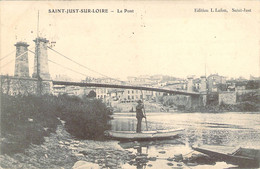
point(228, 129)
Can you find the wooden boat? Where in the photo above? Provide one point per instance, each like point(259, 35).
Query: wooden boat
point(145, 135)
point(244, 157)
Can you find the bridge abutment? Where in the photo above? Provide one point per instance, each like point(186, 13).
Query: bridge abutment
point(12, 85)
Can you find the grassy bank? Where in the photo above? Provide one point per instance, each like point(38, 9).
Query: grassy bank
point(27, 120)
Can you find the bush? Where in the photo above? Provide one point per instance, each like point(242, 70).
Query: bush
point(92, 93)
point(85, 119)
point(27, 120)
point(250, 97)
point(248, 107)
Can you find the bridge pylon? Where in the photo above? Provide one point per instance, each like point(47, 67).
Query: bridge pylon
point(21, 60)
point(41, 67)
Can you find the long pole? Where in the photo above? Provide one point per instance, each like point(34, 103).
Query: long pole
point(144, 111)
point(37, 58)
point(206, 79)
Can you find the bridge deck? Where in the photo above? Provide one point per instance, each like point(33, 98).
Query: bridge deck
point(81, 84)
point(125, 87)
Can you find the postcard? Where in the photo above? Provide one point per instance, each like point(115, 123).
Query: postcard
point(130, 84)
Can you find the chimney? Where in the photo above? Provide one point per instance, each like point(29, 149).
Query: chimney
point(42, 61)
point(21, 60)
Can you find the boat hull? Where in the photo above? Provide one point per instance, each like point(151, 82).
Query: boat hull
point(145, 135)
point(231, 158)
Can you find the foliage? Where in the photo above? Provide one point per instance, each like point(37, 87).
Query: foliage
point(160, 99)
point(253, 84)
point(222, 87)
point(252, 96)
point(248, 106)
point(85, 118)
point(212, 99)
point(27, 120)
point(92, 93)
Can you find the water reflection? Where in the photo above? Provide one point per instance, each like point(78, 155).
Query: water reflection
point(154, 154)
point(140, 162)
point(163, 154)
point(233, 129)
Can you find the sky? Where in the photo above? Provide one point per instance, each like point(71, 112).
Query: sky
point(160, 37)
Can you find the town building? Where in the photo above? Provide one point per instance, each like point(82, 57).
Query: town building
point(175, 85)
point(215, 82)
point(102, 93)
point(59, 90)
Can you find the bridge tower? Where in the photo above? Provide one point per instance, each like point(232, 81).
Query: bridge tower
point(21, 60)
point(203, 90)
point(41, 67)
point(203, 87)
point(190, 84)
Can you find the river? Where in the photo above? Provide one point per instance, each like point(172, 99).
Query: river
point(229, 129)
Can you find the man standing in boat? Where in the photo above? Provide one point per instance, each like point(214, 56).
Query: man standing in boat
point(139, 115)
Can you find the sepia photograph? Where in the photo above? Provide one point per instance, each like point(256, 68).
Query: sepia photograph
point(126, 84)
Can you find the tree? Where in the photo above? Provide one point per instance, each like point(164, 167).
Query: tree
point(222, 87)
point(92, 93)
point(252, 84)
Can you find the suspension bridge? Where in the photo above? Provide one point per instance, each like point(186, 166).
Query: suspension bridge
point(41, 82)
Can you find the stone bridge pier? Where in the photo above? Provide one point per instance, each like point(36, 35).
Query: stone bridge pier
point(21, 83)
point(198, 101)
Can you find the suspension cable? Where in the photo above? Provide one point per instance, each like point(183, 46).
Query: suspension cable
point(7, 55)
point(66, 67)
point(13, 59)
point(63, 66)
point(7, 63)
point(83, 65)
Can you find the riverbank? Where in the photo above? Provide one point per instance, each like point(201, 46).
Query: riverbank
point(239, 107)
point(61, 150)
point(152, 106)
point(159, 107)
